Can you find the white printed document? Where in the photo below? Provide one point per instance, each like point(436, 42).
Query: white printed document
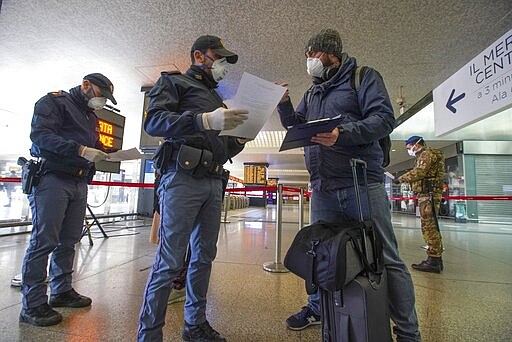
point(260, 98)
point(121, 155)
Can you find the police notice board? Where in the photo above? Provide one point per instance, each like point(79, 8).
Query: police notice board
point(479, 89)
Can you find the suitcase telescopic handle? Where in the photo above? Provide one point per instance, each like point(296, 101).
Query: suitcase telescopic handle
point(353, 163)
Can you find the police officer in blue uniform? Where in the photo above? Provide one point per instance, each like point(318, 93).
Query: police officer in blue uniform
point(188, 112)
point(64, 138)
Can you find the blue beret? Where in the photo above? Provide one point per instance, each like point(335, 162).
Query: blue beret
point(413, 140)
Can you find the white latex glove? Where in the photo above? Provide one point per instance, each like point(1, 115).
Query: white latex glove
point(92, 154)
point(222, 118)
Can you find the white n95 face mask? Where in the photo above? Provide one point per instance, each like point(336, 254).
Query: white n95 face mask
point(411, 151)
point(97, 102)
point(314, 67)
point(219, 69)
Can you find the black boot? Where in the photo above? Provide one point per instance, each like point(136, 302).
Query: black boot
point(432, 264)
point(201, 333)
point(42, 316)
point(70, 299)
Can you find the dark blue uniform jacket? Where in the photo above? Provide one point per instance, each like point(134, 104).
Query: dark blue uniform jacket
point(367, 117)
point(61, 123)
point(175, 108)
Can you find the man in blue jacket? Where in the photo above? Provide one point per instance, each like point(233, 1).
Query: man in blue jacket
point(186, 110)
point(64, 137)
point(367, 117)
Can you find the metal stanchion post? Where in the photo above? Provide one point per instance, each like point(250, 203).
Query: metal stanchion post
point(25, 209)
point(276, 266)
point(301, 208)
point(227, 200)
point(310, 211)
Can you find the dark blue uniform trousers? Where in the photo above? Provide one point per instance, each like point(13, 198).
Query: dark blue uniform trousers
point(58, 206)
point(190, 210)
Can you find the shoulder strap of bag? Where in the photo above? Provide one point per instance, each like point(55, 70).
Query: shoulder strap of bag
point(355, 83)
point(357, 78)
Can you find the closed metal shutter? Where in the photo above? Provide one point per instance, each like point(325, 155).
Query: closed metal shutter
point(494, 177)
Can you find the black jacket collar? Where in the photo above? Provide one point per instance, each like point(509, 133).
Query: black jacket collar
point(80, 99)
point(202, 76)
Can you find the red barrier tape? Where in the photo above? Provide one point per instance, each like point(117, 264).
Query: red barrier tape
point(463, 198)
point(10, 180)
point(274, 189)
point(125, 184)
point(253, 188)
point(128, 185)
point(262, 188)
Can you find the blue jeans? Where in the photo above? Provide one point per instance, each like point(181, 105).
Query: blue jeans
point(333, 206)
point(58, 208)
point(190, 210)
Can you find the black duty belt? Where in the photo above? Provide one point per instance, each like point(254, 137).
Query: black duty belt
point(192, 160)
point(216, 169)
point(51, 166)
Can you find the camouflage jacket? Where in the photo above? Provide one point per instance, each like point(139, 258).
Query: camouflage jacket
point(429, 169)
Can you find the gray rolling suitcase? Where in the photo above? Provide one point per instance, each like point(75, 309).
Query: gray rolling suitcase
point(359, 311)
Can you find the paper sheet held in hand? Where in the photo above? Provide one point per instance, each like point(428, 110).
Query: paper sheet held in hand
point(121, 155)
point(260, 98)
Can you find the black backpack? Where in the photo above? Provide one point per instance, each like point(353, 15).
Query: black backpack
point(355, 83)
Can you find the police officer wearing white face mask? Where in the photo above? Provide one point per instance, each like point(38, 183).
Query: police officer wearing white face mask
point(65, 140)
point(187, 111)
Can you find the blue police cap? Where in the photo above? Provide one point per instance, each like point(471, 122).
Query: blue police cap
point(100, 80)
point(215, 43)
point(413, 140)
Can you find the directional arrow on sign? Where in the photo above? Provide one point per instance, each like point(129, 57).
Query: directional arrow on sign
point(452, 101)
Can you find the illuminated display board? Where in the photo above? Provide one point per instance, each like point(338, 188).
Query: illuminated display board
point(272, 181)
point(110, 129)
point(255, 173)
point(106, 134)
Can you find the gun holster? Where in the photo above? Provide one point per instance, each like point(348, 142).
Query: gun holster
point(225, 180)
point(162, 157)
point(29, 174)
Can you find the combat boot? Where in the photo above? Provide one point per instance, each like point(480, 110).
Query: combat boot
point(441, 264)
point(432, 264)
point(201, 333)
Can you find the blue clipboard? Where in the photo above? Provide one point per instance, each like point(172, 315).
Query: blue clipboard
point(300, 135)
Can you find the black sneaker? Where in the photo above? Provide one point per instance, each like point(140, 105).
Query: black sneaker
point(201, 332)
point(70, 299)
point(303, 319)
point(43, 315)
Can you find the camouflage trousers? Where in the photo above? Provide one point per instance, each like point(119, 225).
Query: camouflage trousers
point(429, 227)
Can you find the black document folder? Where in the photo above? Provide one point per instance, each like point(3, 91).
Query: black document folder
point(300, 135)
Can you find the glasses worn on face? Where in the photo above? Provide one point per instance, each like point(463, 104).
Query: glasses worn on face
point(214, 58)
point(94, 92)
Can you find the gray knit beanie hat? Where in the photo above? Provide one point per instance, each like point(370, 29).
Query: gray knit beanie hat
point(328, 41)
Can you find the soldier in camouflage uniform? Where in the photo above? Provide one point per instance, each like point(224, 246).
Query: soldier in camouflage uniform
point(426, 179)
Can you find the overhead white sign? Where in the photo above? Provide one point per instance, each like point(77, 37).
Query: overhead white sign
point(481, 88)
